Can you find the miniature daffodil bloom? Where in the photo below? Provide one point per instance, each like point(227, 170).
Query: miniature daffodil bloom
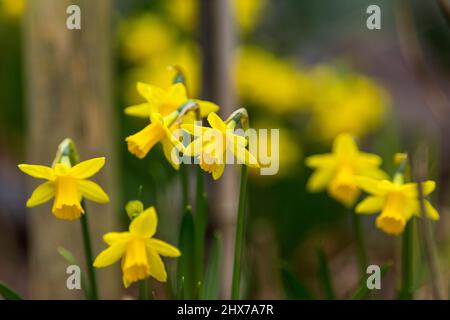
point(67, 185)
point(397, 202)
point(337, 171)
point(140, 252)
point(165, 102)
point(214, 144)
point(158, 130)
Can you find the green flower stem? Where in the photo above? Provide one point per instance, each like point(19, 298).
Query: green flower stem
point(407, 289)
point(239, 239)
point(184, 172)
point(143, 289)
point(88, 254)
point(200, 225)
point(67, 153)
point(360, 244)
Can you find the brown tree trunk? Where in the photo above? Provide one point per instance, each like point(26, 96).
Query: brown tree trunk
point(218, 42)
point(68, 78)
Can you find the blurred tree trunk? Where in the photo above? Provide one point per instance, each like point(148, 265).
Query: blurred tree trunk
point(68, 78)
point(218, 42)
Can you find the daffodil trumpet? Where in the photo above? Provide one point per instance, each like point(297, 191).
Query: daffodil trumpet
point(336, 172)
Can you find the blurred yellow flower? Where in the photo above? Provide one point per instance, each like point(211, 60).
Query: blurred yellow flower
point(145, 36)
point(212, 145)
point(140, 252)
point(154, 70)
point(68, 185)
point(184, 13)
point(12, 8)
point(158, 130)
point(247, 13)
point(289, 152)
point(269, 82)
point(165, 102)
point(397, 201)
point(347, 102)
point(337, 171)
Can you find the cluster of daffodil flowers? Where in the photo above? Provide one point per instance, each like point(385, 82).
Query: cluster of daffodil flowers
point(167, 109)
point(347, 172)
point(171, 109)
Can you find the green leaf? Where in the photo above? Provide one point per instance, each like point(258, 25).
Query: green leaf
point(186, 276)
point(70, 258)
point(211, 284)
point(7, 293)
point(325, 276)
point(363, 291)
point(67, 255)
point(293, 288)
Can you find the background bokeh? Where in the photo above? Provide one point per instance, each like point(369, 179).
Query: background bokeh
point(311, 69)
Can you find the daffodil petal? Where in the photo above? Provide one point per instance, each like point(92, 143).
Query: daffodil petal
point(431, 211)
point(216, 123)
point(411, 189)
point(218, 172)
point(149, 92)
point(156, 117)
point(345, 144)
point(373, 172)
point(194, 129)
point(140, 110)
point(369, 159)
point(145, 224)
point(206, 107)
point(167, 149)
point(157, 268)
point(36, 171)
point(320, 179)
point(112, 238)
point(163, 248)
point(321, 160)
point(92, 191)
point(88, 168)
point(370, 185)
point(41, 194)
point(177, 92)
point(245, 157)
point(61, 169)
point(236, 140)
point(126, 282)
point(371, 204)
point(110, 255)
point(428, 187)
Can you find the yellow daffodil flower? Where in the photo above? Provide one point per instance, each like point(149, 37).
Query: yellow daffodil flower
point(68, 185)
point(165, 102)
point(337, 171)
point(158, 130)
point(214, 144)
point(397, 202)
point(140, 252)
